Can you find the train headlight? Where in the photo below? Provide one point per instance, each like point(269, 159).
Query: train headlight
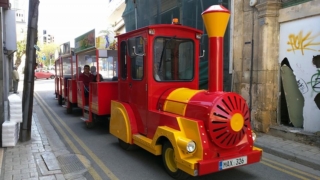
point(191, 146)
point(254, 136)
point(186, 145)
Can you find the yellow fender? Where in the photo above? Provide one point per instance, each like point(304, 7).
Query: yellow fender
point(122, 121)
point(185, 161)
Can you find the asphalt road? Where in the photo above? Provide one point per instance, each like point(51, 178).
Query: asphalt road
point(108, 161)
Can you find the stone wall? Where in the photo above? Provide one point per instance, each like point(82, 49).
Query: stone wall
point(256, 65)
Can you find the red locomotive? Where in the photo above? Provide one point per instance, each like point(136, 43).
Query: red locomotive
point(155, 102)
point(160, 109)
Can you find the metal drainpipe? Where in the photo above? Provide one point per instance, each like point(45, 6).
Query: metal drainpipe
point(251, 69)
point(135, 13)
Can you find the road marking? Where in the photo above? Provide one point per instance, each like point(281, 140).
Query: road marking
point(290, 168)
point(81, 143)
point(93, 173)
point(282, 170)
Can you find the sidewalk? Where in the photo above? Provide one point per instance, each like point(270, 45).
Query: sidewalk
point(39, 157)
point(43, 157)
point(308, 155)
point(32, 159)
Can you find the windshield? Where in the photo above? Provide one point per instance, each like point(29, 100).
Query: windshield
point(173, 59)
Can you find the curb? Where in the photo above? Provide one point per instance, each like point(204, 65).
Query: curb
point(306, 161)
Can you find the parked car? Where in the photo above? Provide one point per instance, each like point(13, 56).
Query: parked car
point(43, 74)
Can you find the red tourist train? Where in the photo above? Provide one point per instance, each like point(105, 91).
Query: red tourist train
point(155, 102)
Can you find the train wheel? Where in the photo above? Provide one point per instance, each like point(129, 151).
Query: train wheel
point(60, 100)
point(90, 125)
point(170, 165)
point(69, 109)
point(127, 146)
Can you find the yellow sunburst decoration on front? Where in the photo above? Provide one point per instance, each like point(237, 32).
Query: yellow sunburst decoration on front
point(237, 122)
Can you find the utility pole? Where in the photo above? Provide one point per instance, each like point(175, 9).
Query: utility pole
point(28, 84)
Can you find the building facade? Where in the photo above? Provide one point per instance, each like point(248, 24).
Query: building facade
point(115, 9)
point(263, 38)
point(285, 81)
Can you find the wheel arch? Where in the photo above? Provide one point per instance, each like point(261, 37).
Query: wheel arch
point(122, 122)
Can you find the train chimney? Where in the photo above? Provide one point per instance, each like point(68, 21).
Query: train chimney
point(216, 19)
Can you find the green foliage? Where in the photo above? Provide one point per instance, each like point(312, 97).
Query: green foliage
point(21, 50)
point(47, 50)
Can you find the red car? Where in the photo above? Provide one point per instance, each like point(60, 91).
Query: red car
point(43, 74)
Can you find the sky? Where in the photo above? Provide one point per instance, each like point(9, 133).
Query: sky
point(68, 19)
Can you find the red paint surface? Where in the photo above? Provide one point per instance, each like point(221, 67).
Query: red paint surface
point(215, 71)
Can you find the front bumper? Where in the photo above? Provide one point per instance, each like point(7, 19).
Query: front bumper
point(211, 166)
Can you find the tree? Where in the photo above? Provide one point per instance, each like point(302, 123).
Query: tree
point(47, 51)
point(21, 50)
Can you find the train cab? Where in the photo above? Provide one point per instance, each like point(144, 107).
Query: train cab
point(152, 62)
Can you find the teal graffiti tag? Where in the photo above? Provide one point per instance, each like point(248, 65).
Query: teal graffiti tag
point(315, 82)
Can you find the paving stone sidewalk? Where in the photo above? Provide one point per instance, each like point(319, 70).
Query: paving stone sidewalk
point(29, 160)
point(308, 155)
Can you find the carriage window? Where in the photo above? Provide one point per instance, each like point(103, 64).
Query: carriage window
point(66, 67)
point(173, 59)
point(123, 60)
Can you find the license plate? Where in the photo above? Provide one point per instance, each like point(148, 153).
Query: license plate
point(232, 162)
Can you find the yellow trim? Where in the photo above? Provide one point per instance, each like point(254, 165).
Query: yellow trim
point(185, 161)
point(216, 23)
point(177, 100)
point(170, 158)
point(256, 148)
point(236, 122)
point(120, 122)
point(147, 144)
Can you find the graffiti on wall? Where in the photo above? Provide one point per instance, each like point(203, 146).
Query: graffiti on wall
point(302, 42)
point(315, 80)
point(302, 86)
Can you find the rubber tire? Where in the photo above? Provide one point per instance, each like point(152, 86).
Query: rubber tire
point(90, 125)
point(127, 146)
point(69, 110)
point(169, 163)
point(52, 77)
point(35, 78)
point(59, 99)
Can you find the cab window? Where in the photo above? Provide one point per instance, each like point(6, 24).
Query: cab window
point(173, 59)
point(136, 51)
